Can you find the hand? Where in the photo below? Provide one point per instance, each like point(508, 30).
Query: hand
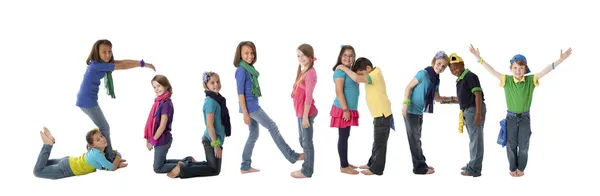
point(342, 67)
point(122, 165)
point(565, 55)
point(305, 123)
point(247, 119)
point(149, 65)
point(404, 109)
point(149, 146)
point(475, 51)
point(218, 152)
point(346, 115)
point(477, 119)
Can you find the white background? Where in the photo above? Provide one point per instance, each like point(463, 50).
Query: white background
point(44, 45)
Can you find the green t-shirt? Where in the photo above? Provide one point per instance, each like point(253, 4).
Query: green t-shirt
point(519, 93)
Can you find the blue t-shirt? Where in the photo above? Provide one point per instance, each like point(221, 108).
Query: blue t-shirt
point(244, 87)
point(212, 106)
point(88, 91)
point(97, 159)
point(417, 96)
point(351, 90)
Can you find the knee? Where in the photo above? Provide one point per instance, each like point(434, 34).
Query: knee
point(253, 136)
point(307, 145)
point(36, 172)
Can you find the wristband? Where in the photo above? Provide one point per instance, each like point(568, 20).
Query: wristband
point(552, 65)
point(480, 61)
point(142, 63)
point(215, 143)
point(407, 102)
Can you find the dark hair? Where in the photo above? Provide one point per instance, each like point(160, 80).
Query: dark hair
point(362, 63)
point(89, 137)
point(95, 53)
point(162, 80)
point(309, 52)
point(339, 59)
point(238, 53)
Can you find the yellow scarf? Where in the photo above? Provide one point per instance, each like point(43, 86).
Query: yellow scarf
point(461, 122)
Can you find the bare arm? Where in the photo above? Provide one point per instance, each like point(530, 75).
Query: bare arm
point(441, 99)
point(550, 67)
point(210, 123)
point(163, 125)
point(354, 76)
point(127, 64)
point(487, 66)
point(478, 102)
point(339, 91)
point(242, 99)
point(116, 163)
point(409, 88)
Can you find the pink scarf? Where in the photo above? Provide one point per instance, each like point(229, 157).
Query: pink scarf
point(149, 129)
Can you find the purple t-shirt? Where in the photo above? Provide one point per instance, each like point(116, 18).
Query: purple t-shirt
point(166, 108)
point(88, 91)
point(244, 87)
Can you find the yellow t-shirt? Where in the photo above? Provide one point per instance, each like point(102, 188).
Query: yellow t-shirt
point(80, 166)
point(376, 93)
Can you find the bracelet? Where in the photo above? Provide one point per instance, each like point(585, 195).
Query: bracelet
point(142, 63)
point(480, 61)
point(215, 143)
point(407, 102)
point(552, 65)
point(451, 98)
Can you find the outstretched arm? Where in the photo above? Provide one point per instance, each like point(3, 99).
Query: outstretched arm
point(487, 66)
point(128, 64)
point(552, 66)
point(441, 99)
point(354, 76)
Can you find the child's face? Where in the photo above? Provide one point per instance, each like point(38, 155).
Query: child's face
point(518, 70)
point(247, 54)
point(440, 65)
point(99, 141)
point(457, 68)
point(105, 52)
point(158, 88)
point(214, 84)
point(347, 57)
point(302, 59)
point(365, 72)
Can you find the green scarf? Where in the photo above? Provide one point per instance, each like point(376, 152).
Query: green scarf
point(108, 82)
point(254, 76)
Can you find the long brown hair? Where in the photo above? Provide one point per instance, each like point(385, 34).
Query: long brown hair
point(162, 80)
point(238, 53)
point(308, 51)
point(339, 59)
point(95, 53)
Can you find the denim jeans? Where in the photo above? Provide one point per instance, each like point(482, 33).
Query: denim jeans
point(210, 167)
point(51, 168)
point(381, 133)
point(260, 117)
point(414, 123)
point(161, 163)
point(306, 142)
point(518, 132)
point(475, 140)
point(95, 113)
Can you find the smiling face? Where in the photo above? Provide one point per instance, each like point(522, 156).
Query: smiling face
point(98, 141)
point(214, 83)
point(158, 88)
point(518, 69)
point(105, 52)
point(303, 60)
point(457, 69)
point(440, 65)
point(248, 54)
point(348, 57)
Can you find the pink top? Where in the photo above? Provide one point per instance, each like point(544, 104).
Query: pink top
point(303, 94)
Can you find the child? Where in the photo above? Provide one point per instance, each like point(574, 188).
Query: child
point(419, 96)
point(101, 64)
point(473, 109)
point(518, 90)
point(218, 126)
point(158, 126)
point(380, 108)
point(75, 166)
point(344, 113)
point(248, 90)
point(304, 104)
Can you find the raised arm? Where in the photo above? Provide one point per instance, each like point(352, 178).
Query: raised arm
point(555, 64)
point(354, 76)
point(129, 64)
point(490, 69)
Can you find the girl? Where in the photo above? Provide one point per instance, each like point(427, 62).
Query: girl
point(218, 126)
point(518, 92)
point(75, 166)
point(158, 126)
point(248, 90)
point(101, 64)
point(419, 96)
point(304, 104)
point(344, 113)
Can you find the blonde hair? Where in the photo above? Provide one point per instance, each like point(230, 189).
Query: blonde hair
point(206, 77)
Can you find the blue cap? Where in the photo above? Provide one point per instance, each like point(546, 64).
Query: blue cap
point(520, 57)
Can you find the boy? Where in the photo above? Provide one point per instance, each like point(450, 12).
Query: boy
point(380, 108)
point(470, 99)
point(518, 89)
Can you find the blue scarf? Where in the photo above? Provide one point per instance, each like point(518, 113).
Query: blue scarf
point(430, 96)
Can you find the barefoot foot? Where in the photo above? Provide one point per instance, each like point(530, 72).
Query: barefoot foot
point(174, 173)
point(352, 166)
point(513, 174)
point(45, 139)
point(297, 174)
point(251, 170)
point(366, 172)
point(348, 170)
point(430, 170)
point(363, 167)
point(47, 132)
point(520, 173)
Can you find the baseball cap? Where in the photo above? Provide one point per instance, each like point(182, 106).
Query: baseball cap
point(454, 58)
point(520, 57)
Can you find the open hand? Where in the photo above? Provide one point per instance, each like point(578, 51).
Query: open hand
point(218, 152)
point(474, 51)
point(149, 65)
point(122, 165)
point(566, 54)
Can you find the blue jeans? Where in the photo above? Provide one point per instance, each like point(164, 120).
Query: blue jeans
point(306, 142)
point(381, 131)
point(51, 168)
point(414, 123)
point(260, 117)
point(161, 163)
point(475, 140)
point(210, 167)
point(518, 132)
point(95, 113)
